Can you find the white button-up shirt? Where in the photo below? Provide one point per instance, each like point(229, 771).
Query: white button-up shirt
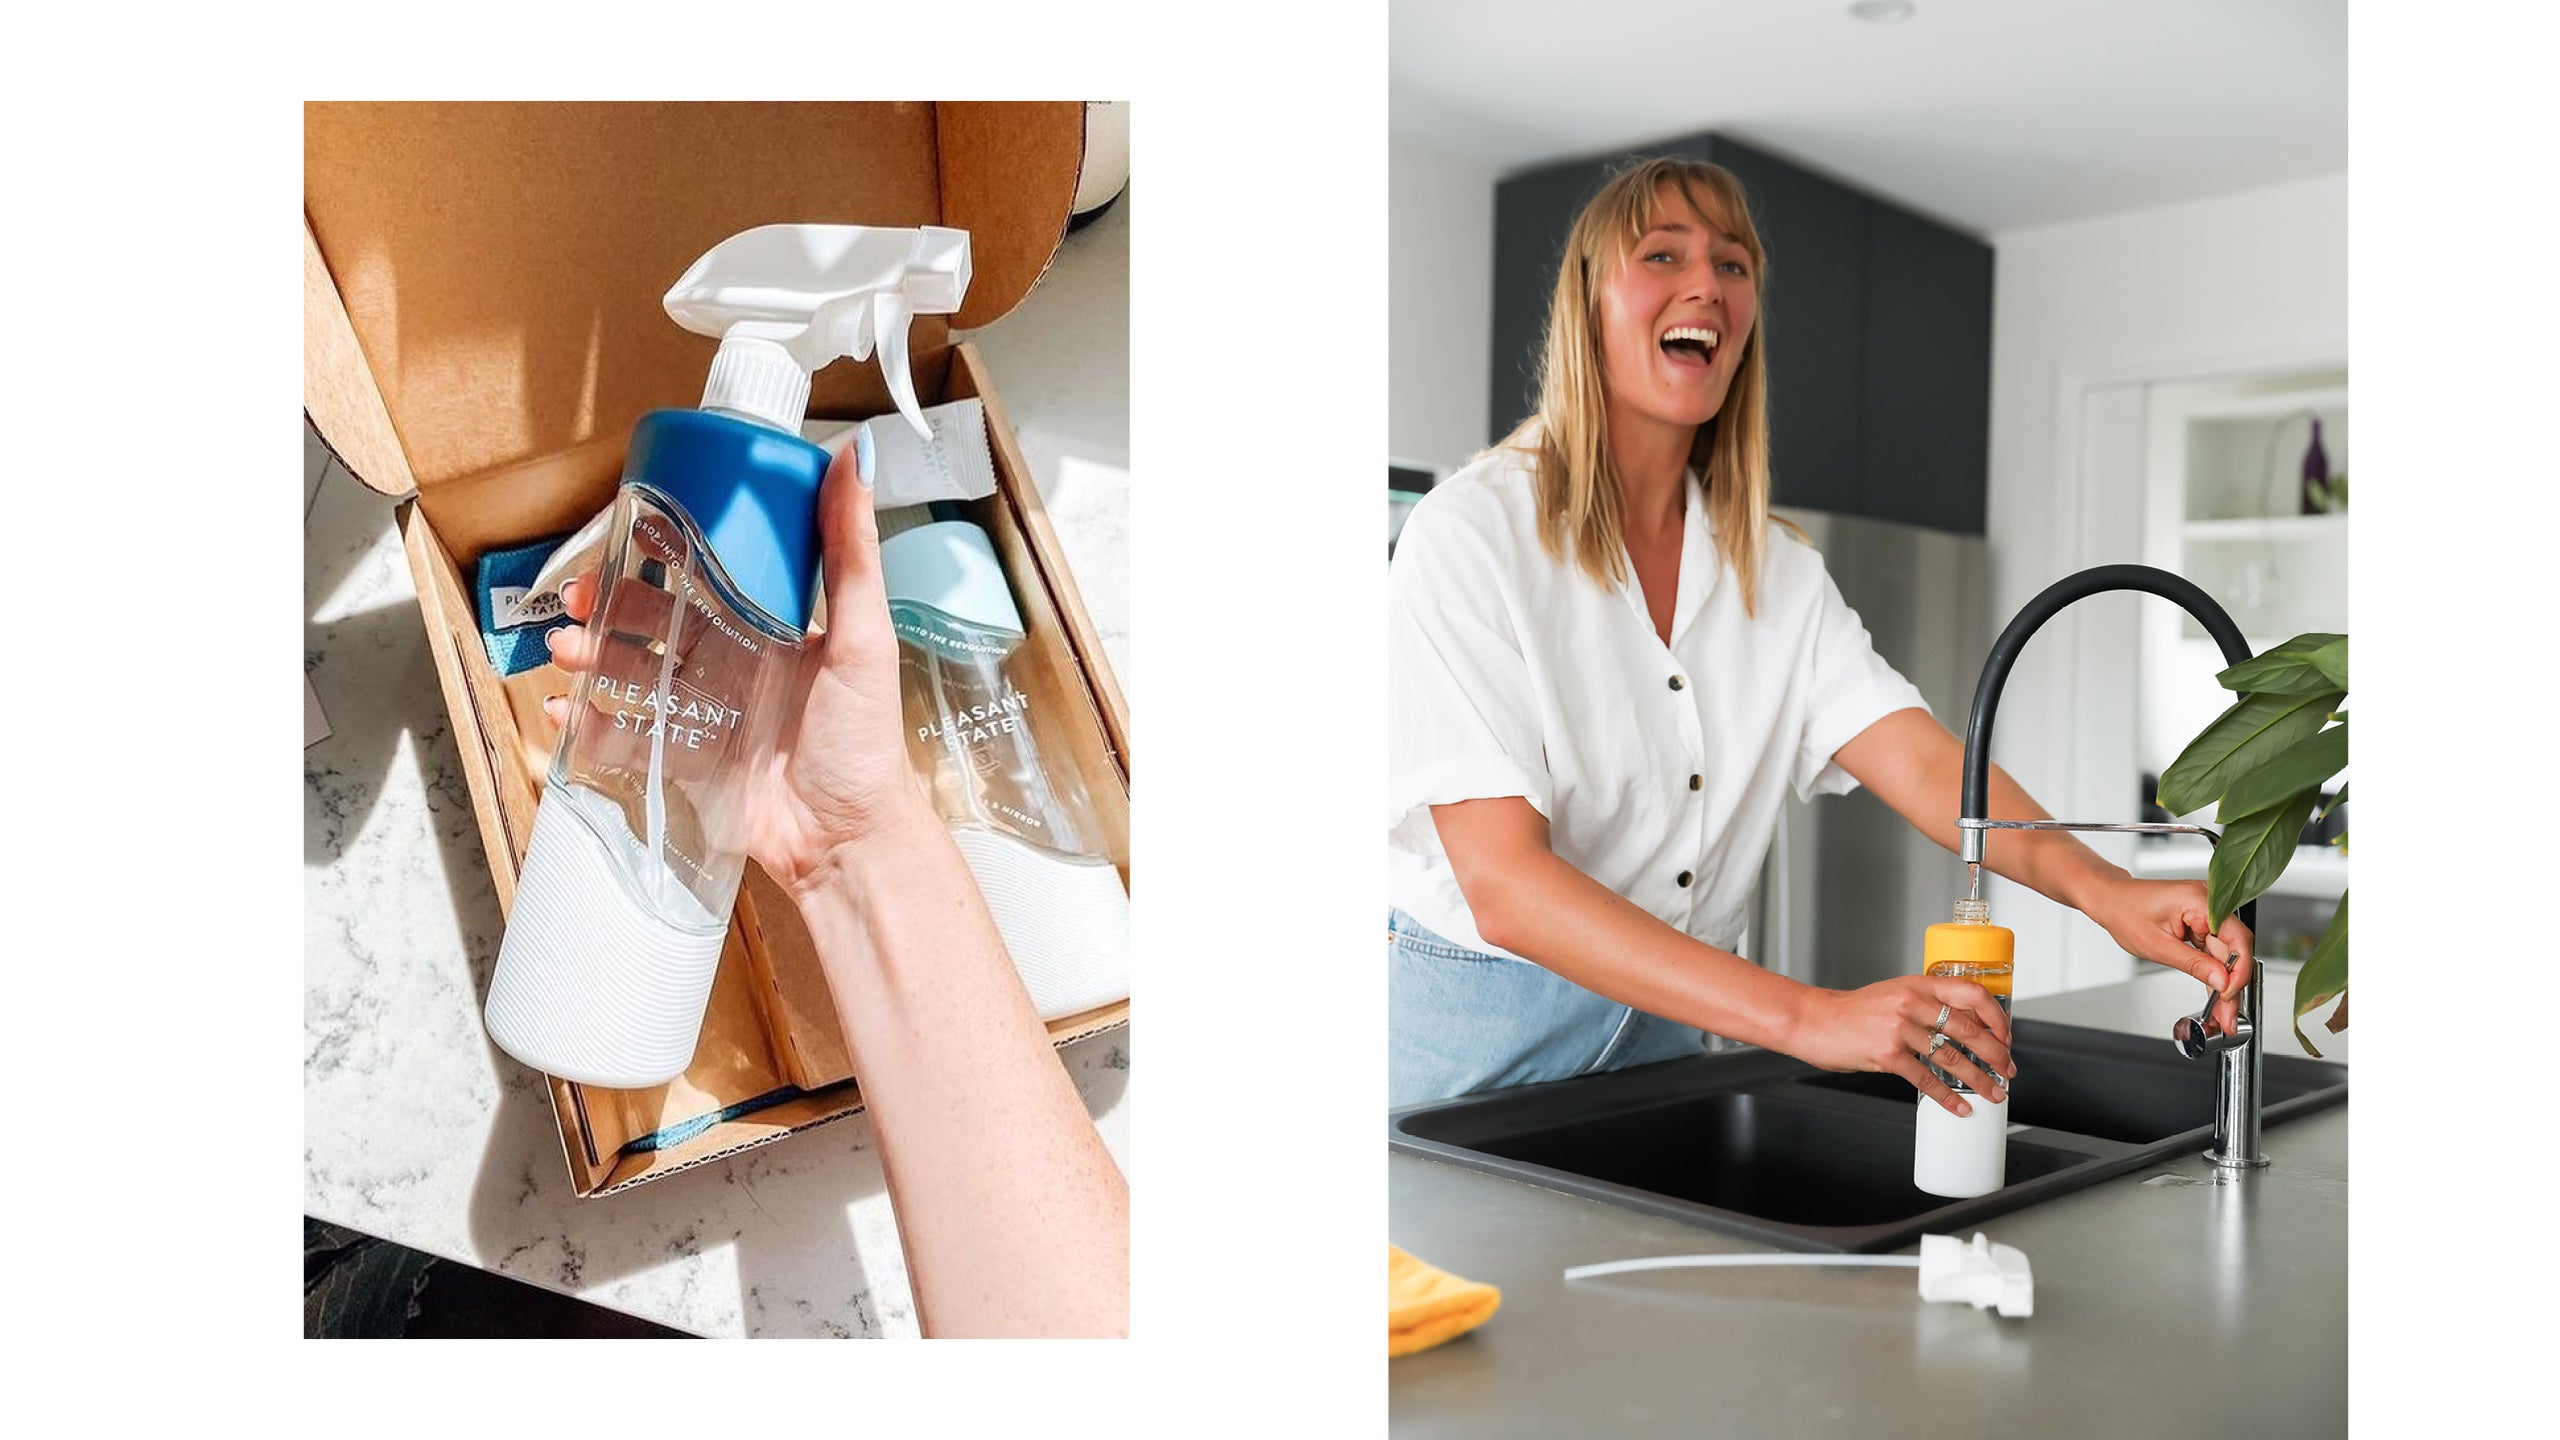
point(1512, 674)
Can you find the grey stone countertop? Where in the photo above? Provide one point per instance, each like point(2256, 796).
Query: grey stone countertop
point(2170, 1297)
point(415, 1127)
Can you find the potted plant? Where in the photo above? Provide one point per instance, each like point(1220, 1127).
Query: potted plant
point(2261, 765)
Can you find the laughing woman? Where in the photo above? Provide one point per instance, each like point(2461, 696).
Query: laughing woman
point(1608, 666)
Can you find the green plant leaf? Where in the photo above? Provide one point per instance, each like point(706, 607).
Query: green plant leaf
point(2288, 669)
point(2283, 773)
point(2338, 799)
point(2238, 741)
point(2331, 660)
point(2324, 975)
point(2255, 849)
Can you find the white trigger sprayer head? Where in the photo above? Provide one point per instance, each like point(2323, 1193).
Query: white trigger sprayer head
point(785, 300)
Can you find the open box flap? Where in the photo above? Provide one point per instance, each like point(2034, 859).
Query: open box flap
point(338, 394)
point(497, 268)
point(1006, 172)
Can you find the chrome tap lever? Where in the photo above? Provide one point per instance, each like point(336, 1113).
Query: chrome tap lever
point(2196, 1037)
point(2143, 827)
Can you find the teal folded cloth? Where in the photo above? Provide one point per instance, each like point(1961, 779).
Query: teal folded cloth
point(499, 582)
point(670, 1136)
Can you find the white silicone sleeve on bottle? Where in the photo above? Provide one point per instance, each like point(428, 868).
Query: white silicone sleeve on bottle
point(591, 986)
point(1961, 1155)
point(1065, 924)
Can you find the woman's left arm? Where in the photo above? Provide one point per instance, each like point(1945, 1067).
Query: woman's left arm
point(1913, 764)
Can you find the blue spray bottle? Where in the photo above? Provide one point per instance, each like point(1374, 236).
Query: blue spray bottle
point(709, 573)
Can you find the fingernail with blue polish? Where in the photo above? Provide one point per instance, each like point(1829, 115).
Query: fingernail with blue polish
point(862, 455)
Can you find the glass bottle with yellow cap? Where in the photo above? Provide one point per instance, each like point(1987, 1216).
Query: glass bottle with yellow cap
point(1965, 1155)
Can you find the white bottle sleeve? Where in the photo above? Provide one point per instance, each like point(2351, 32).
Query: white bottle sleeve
point(591, 986)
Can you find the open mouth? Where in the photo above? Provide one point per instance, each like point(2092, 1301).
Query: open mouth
point(1690, 345)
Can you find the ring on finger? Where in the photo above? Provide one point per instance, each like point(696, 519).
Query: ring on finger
point(1943, 1012)
point(1936, 1039)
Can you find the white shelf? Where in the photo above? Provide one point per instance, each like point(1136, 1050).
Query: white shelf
point(2317, 872)
point(2222, 473)
point(2263, 528)
point(2268, 405)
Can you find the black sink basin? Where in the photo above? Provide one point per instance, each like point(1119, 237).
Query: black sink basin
point(1771, 1148)
point(2117, 1087)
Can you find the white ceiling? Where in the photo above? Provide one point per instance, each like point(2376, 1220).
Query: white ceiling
point(1988, 114)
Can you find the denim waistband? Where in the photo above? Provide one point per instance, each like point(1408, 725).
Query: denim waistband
point(1407, 931)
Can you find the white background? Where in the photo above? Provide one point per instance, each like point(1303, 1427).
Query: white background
point(155, 358)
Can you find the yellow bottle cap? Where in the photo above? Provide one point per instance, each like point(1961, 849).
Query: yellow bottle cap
point(1980, 952)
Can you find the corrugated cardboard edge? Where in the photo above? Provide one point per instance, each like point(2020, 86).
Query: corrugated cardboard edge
point(592, 1182)
point(338, 393)
point(1050, 558)
point(764, 1136)
point(450, 634)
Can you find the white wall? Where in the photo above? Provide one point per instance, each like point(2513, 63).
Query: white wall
point(1439, 303)
point(2083, 315)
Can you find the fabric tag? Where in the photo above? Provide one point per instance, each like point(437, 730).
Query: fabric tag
point(509, 606)
point(955, 464)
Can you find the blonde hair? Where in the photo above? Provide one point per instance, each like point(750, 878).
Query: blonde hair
point(1580, 509)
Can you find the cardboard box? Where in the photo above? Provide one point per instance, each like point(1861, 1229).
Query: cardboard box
point(482, 328)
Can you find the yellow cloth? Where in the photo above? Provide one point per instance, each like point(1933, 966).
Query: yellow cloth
point(1426, 1305)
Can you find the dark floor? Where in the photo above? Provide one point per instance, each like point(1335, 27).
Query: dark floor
point(357, 1287)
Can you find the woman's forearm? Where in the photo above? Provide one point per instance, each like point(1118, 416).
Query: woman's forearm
point(1014, 1218)
point(1568, 922)
point(2053, 863)
point(1916, 765)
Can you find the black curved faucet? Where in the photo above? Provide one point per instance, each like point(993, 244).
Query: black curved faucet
point(2240, 1085)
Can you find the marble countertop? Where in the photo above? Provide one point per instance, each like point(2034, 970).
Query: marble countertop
point(415, 1127)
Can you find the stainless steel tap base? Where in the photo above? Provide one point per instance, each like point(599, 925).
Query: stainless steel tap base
point(2254, 1163)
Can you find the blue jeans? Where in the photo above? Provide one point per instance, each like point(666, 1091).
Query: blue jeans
point(1459, 1021)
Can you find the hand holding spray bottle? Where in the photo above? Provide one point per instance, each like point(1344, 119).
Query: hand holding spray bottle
point(705, 594)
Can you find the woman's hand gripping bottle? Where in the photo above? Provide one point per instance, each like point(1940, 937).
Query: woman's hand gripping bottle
point(710, 571)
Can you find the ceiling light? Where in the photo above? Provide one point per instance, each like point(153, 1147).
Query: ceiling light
point(1881, 12)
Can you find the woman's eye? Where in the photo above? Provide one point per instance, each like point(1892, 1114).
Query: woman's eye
point(1737, 267)
point(1661, 255)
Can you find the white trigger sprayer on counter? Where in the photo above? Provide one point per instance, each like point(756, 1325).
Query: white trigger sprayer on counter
point(710, 571)
point(1016, 808)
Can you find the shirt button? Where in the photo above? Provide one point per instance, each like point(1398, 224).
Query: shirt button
point(1677, 682)
point(1696, 780)
point(1685, 877)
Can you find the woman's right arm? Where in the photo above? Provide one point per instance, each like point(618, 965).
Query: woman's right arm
point(1532, 902)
